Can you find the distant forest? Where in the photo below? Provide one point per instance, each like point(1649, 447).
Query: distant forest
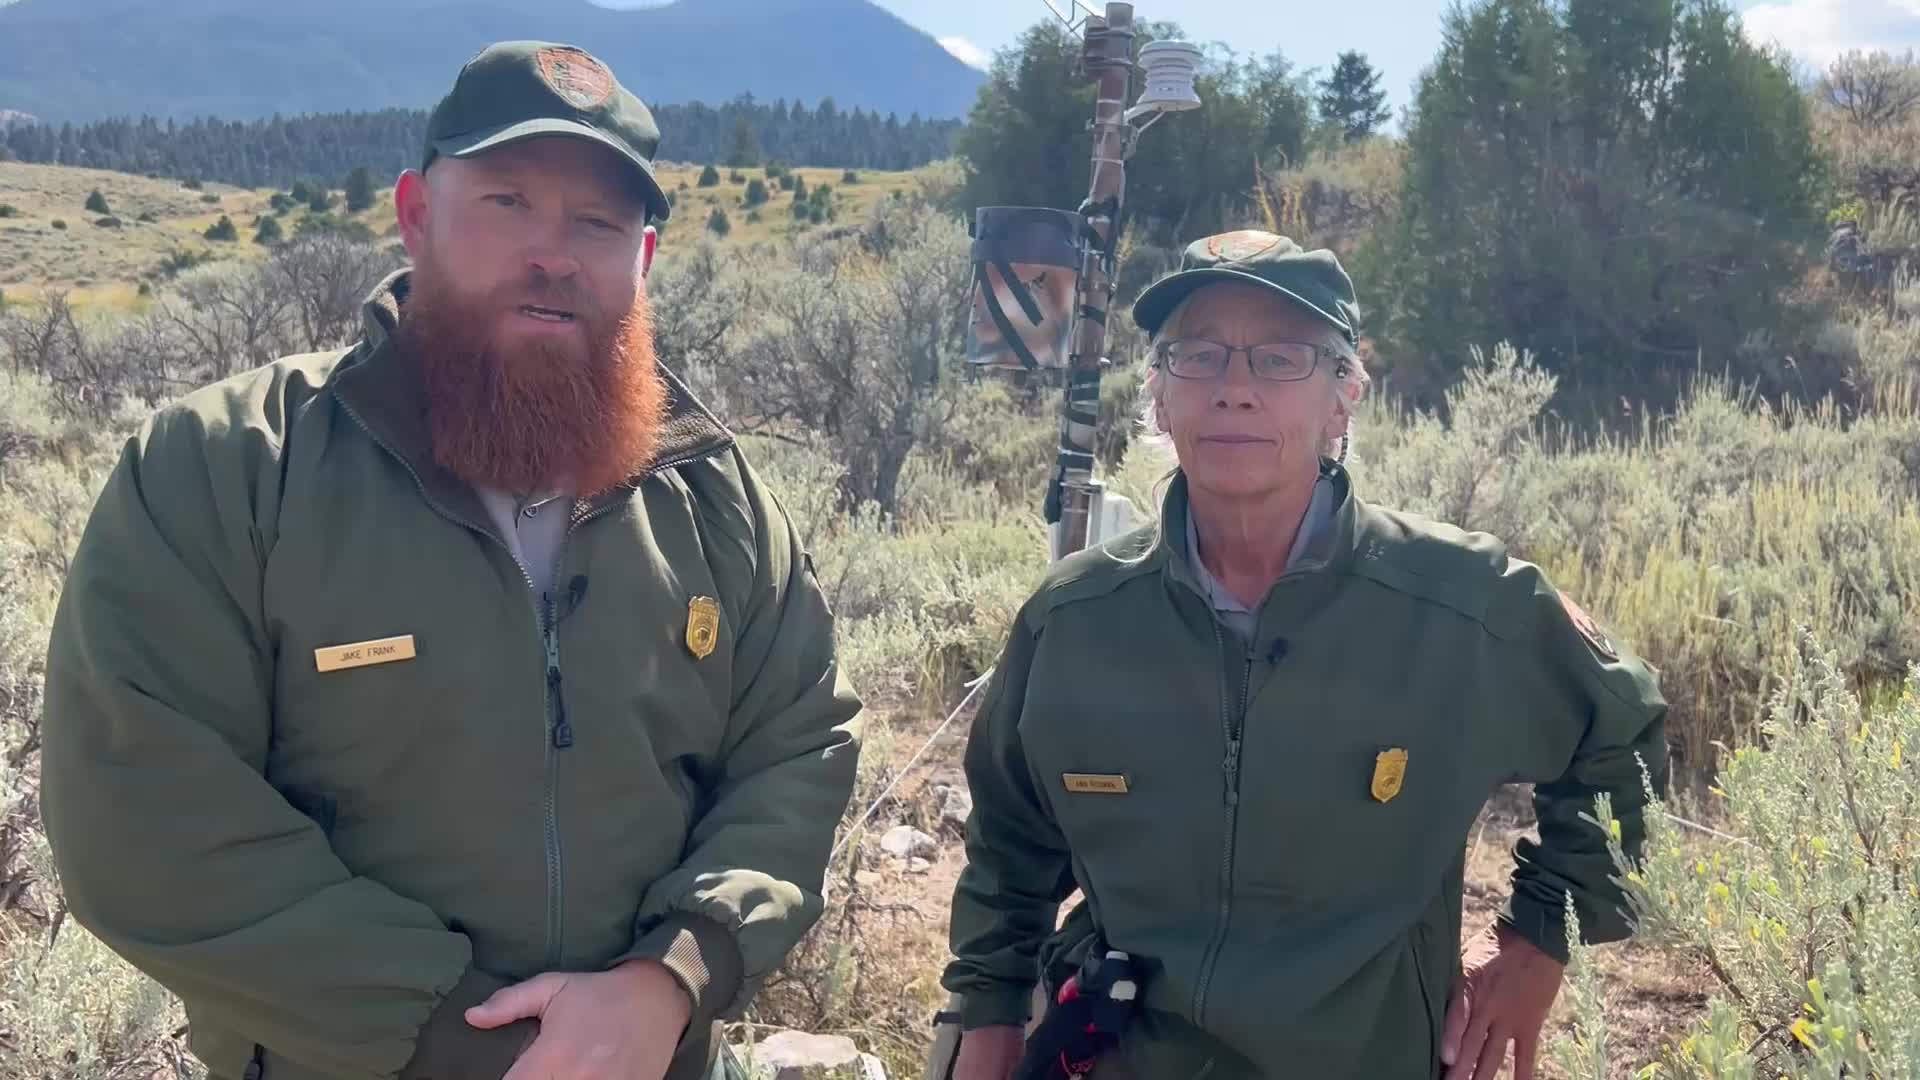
point(281, 150)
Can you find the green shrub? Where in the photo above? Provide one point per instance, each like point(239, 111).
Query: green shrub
point(97, 203)
point(849, 176)
point(8, 210)
point(210, 199)
point(709, 177)
point(330, 223)
point(268, 233)
point(736, 177)
point(192, 184)
point(718, 223)
point(756, 192)
point(301, 191)
point(281, 202)
point(359, 190)
point(1806, 912)
point(222, 230)
point(59, 223)
point(108, 222)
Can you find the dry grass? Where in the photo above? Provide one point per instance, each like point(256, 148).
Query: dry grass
point(101, 268)
point(693, 204)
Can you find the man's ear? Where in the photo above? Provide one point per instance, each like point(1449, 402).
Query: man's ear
point(649, 243)
point(410, 211)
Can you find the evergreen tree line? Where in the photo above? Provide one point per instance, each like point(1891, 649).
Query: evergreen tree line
point(1025, 141)
point(1628, 189)
point(278, 151)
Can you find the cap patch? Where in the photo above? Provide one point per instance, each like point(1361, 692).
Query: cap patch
point(1240, 246)
point(581, 80)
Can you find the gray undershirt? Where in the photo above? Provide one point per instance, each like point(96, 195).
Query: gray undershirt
point(532, 527)
point(1230, 611)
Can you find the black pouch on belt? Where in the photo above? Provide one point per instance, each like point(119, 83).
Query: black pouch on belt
point(1086, 1019)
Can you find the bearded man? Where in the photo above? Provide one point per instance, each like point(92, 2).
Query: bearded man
point(458, 704)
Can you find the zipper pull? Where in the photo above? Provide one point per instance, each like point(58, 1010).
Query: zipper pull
point(1233, 771)
point(562, 731)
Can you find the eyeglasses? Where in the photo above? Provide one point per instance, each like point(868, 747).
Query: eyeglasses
point(1275, 361)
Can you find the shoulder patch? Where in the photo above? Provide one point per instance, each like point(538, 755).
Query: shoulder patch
point(1588, 628)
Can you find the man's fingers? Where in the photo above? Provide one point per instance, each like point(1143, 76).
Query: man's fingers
point(1459, 1011)
point(521, 1001)
point(1524, 1050)
point(1467, 1056)
point(1493, 1052)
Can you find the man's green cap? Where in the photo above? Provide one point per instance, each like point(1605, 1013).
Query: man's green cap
point(516, 90)
point(1313, 279)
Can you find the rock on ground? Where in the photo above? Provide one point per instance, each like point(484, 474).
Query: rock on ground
point(907, 842)
point(797, 1055)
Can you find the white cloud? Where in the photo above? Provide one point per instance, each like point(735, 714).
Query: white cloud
point(967, 52)
point(1816, 31)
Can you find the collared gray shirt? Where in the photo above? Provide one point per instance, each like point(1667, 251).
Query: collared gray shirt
point(1230, 611)
point(533, 529)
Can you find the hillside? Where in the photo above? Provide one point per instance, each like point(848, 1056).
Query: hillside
point(158, 223)
point(78, 60)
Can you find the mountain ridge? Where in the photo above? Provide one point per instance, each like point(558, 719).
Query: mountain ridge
point(78, 60)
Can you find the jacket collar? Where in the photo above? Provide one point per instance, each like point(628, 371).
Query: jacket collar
point(377, 385)
point(1323, 561)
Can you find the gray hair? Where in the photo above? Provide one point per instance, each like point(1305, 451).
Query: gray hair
point(1352, 376)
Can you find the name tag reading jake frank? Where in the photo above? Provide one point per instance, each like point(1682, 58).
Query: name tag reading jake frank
point(363, 653)
point(1081, 783)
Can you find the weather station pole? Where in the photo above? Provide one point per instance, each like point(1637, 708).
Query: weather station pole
point(1042, 292)
point(1108, 60)
point(1044, 279)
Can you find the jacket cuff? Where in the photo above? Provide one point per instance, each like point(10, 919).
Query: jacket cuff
point(991, 1008)
point(1543, 926)
point(449, 1048)
point(703, 956)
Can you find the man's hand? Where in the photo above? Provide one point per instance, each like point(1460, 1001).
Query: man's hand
point(1507, 986)
point(622, 1024)
point(989, 1053)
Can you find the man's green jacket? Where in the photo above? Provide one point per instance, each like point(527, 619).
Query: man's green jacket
point(318, 760)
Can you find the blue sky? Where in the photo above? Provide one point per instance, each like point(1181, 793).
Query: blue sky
point(1399, 36)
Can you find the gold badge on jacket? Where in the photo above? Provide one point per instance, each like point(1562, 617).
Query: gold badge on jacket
point(1389, 769)
point(703, 625)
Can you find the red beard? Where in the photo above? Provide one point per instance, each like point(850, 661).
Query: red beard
point(584, 418)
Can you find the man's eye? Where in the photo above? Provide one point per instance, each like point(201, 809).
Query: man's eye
point(504, 200)
point(600, 223)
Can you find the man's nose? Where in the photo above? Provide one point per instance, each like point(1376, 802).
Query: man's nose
point(553, 261)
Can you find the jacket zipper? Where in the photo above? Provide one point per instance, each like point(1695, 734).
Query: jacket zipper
point(559, 736)
point(558, 733)
point(1232, 724)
